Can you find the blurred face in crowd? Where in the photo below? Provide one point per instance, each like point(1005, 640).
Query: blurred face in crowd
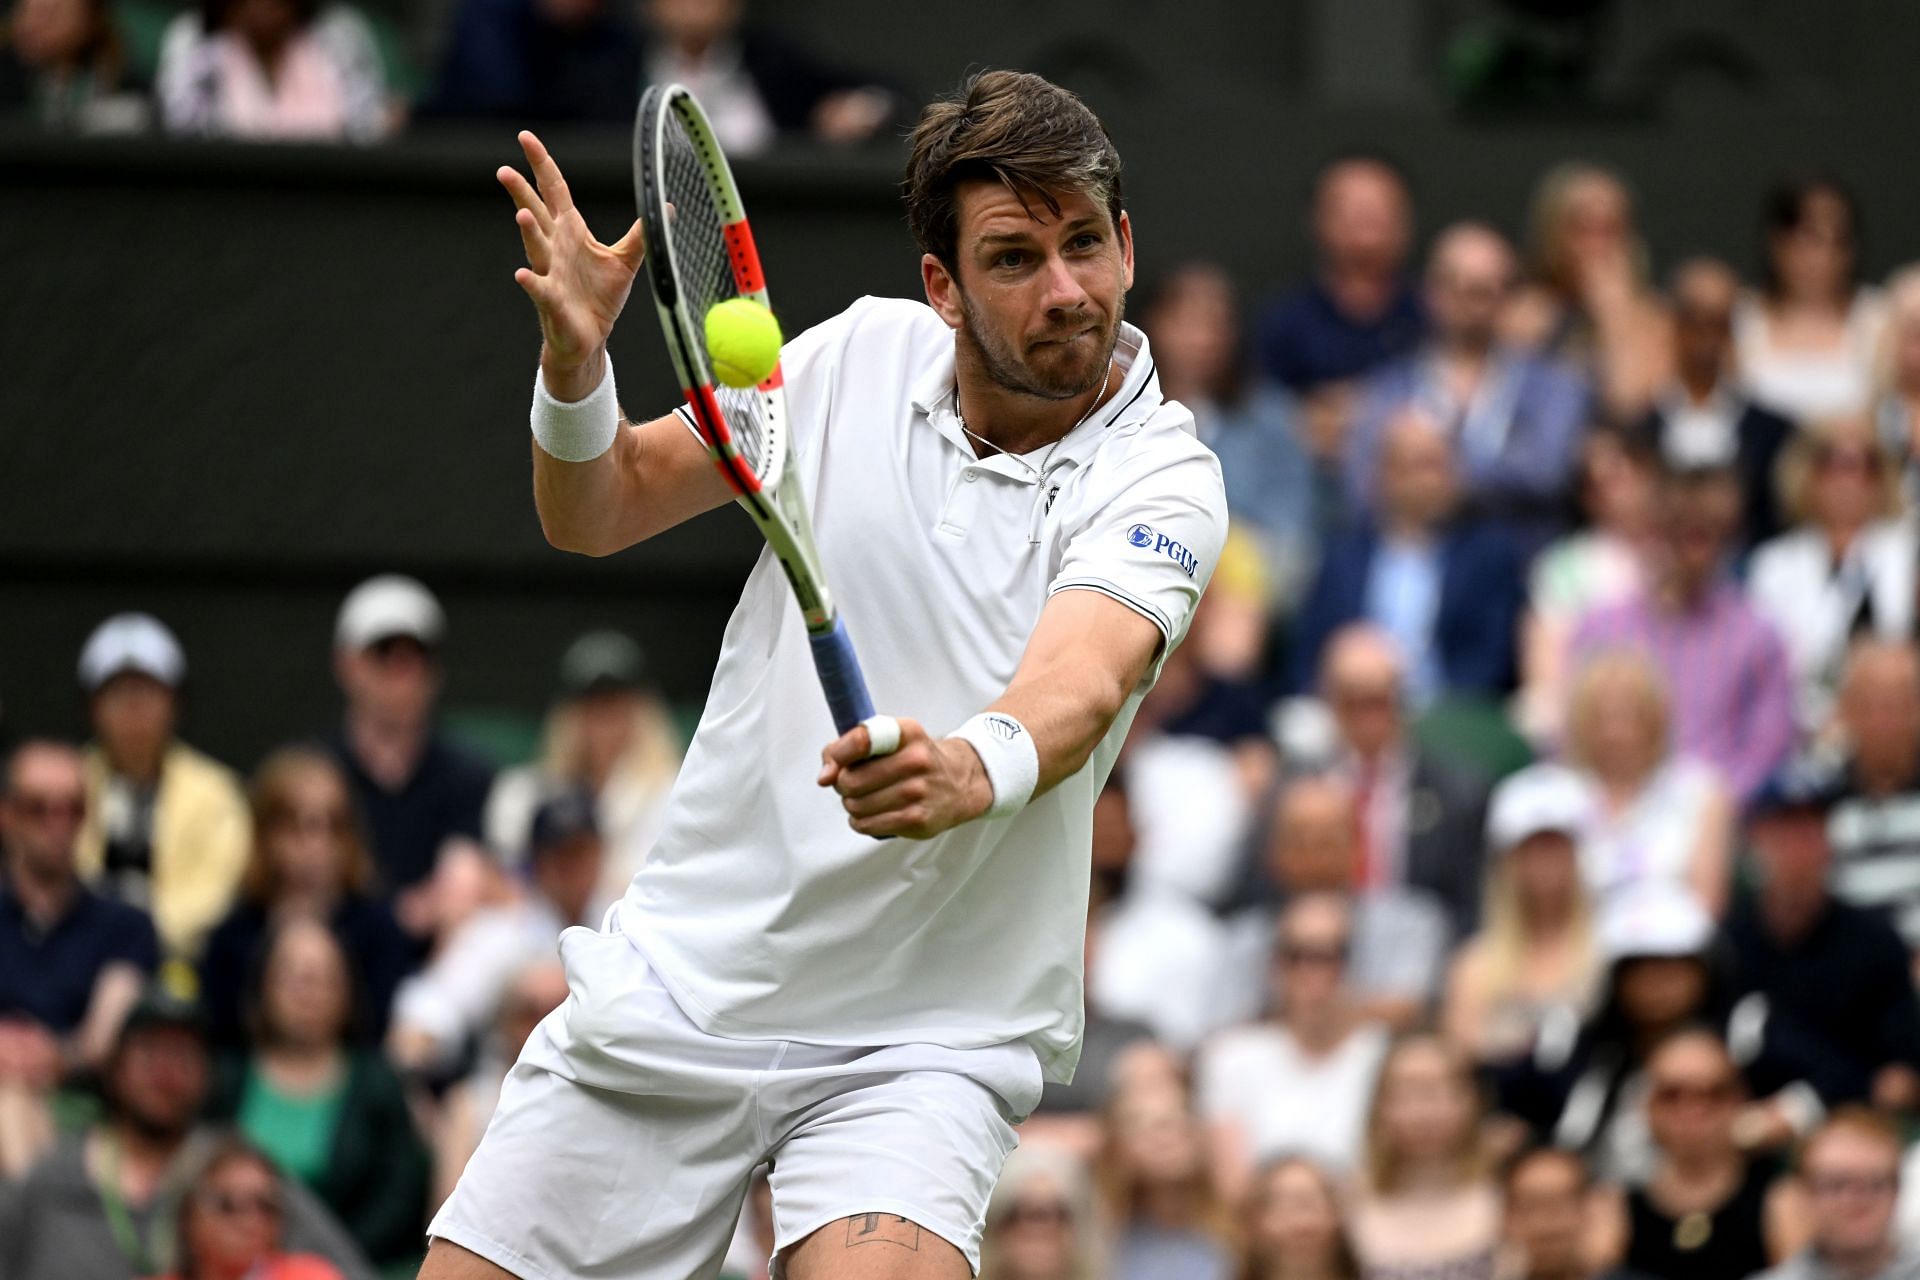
point(1469, 279)
point(304, 992)
point(1880, 706)
point(1698, 513)
point(1037, 1232)
point(1853, 1177)
point(1295, 1217)
point(1791, 851)
point(52, 33)
point(606, 722)
point(1155, 1136)
point(42, 809)
point(304, 840)
point(1848, 487)
point(267, 25)
point(1315, 844)
point(1704, 293)
point(133, 717)
point(1661, 991)
point(1619, 725)
point(568, 872)
point(1360, 681)
point(158, 1081)
point(1194, 331)
point(1618, 487)
point(1310, 959)
point(534, 995)
point(233, 1218)
point(392, 681)
point(1547, 1213)
point(1417, 484)
point(1813, 259)
point(694, 26)
point(1693, 1096)
point(1595, 224)
point(1362, 218)
point(1427, 1106)
point(1545, 868)
point(1036, 298)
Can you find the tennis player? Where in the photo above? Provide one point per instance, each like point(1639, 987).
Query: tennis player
point(1017, 528)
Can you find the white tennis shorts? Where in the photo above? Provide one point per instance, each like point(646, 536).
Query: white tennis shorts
point(626, 1135)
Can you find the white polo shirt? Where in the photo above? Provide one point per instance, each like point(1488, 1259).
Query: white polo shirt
point(764, 914)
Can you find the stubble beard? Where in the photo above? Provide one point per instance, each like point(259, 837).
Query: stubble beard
point(1008, 369)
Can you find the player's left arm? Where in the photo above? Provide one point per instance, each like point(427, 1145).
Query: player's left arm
point(1086, 655)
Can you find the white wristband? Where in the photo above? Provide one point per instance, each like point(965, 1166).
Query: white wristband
point(1011, 760)
point(581, 431)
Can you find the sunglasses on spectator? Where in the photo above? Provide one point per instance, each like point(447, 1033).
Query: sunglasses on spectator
point(230, 1205)
point(1364, 699)
point(1852, 1184)
point(1842, 458)
point(1669, 1093)
point(313, 819)
point(1050, 1213)
point(1705, 318)
point(390, 648)
point(1295, 955)
point(41, 808)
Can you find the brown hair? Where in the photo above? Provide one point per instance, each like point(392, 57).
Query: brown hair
point(227, 1151)
point(272, 799)
point(1384, 1171)
point(1011, 127)
point(1346, 1260)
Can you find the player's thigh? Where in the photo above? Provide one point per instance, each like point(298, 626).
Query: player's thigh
point(875, 1246)
point(448, 1261)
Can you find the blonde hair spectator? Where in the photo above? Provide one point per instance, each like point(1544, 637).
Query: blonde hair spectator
point(1043, 1221)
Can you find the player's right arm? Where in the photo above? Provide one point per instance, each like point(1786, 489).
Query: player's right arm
point(657, 473)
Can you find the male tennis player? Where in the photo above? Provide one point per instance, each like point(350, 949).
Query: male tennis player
point(1018, 529)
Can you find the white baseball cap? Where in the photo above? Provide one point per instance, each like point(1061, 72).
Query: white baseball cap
point(131, 642)
point(1655, 918)
point(389, 605)
point(1541, 797)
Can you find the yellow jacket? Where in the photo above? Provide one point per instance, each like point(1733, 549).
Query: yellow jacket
point(202, 832)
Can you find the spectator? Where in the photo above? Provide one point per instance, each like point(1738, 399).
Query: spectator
point(1537, 961)
point(610, 733)
point(1709, 1210)
point(1514, 416)
point(103, 1206)
point(1808, 339)
point(1420, 815)
point(440, 1011)
point(273, 70)
point(1601, 566)
point(537, 990)
point(167, 827)
point(71, 962)
point(1658, 814)
point(416, 790)
point(63, 65)
point(1850, 1167)
point(1874, 826)
point(1153, 1169)
point(1847, 567)
point(308, 860)
point(1836, 978)
point(1896, 403)
point(1426, 1205)
point(330, 1115)
point(230, 1224)
point(1706, 398)
point(1722, 662)
point(1447, 589)
point(1550, 1218)
point(1588, 300)
point(1295, 1229)
point(1297, 1081)
point(1042, 1223)
point(1359, 309)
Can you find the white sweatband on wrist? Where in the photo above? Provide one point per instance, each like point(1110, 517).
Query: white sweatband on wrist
point(581, 431)
point(883, 735)
point(1011, 760)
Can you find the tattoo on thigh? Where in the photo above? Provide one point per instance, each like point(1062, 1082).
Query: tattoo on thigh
point(883, 1228)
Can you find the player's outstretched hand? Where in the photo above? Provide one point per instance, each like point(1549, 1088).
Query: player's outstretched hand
point(578, 285)
point(926, 786)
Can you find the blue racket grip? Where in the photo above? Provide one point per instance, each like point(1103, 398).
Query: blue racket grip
point(840, 676)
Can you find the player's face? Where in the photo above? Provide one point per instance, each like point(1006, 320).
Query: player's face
point(1038, 298)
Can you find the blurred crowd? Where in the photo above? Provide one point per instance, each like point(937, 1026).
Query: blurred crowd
point(1514, 876)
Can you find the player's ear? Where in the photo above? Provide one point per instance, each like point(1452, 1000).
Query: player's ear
point(1124, 229)
point(943, 291)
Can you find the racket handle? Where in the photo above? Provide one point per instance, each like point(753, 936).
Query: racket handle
point(840, 676)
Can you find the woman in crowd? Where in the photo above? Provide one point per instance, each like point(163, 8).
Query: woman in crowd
point(1042, 1223)
point(1709, 1210)
point(1294, 1226)
point(229, 1226)
point(1806, 343)
point(1589, 299)
point(329, 1114)
point(309, 860)
point(1154, 1179)
point(1657, 815)
point(273, 70)
point(1426, 1207)
point(1535, 965)
point(1896, 401)
point(1846, 568)
point(63, 65)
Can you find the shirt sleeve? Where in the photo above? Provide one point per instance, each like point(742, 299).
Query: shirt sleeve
point(1149, 537)
point(134, 941)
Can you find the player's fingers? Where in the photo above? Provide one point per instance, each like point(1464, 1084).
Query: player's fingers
point(891, 798)
point(874, 774)
point(534, 241)
point(525, 196)
point(631, 248)
point(535, 286)
point(553, 187)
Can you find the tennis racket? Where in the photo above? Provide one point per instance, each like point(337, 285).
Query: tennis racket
point(700, 251)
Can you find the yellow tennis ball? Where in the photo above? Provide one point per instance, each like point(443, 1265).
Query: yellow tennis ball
point(743, 342)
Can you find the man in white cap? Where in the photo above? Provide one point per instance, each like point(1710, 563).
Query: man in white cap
point(416, 790)
point(167, 827)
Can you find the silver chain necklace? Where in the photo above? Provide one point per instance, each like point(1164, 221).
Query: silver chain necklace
point(1040, 470)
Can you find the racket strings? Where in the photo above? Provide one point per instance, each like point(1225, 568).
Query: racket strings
point(705, 274)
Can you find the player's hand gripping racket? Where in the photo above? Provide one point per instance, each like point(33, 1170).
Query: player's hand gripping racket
point(699, 254)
